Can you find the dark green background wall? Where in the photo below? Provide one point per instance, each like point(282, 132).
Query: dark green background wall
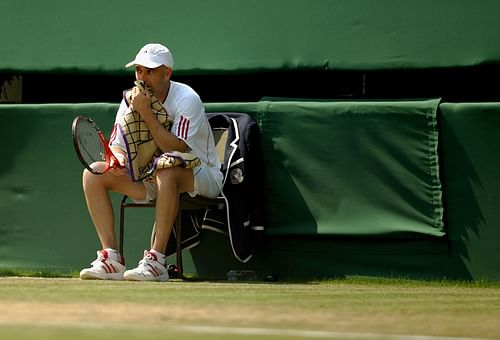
point(245, 35)
point(243, 50)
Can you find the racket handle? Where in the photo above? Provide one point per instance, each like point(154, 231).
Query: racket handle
point(115, 163)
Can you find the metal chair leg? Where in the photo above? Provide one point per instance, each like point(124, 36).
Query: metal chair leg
point(122, 224)
point(177, 228)
point(178, 239)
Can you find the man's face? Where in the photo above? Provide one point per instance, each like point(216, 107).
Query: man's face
point(155, 78)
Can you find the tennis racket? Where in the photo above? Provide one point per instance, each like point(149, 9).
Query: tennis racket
point(92, 147)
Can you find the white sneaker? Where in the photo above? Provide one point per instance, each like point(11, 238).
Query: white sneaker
point(149, 269)
point(103, 268)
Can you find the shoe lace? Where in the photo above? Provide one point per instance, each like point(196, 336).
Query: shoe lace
point(150, 259)
point(147, 259)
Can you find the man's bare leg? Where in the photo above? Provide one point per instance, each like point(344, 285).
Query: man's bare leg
point(171, 183)
point(96, 189)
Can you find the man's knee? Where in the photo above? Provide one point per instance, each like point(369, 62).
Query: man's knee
point(178, 177)
point(167, 175)
point(88, 177)
point(106, 180)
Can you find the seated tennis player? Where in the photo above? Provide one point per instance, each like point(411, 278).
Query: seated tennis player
point(151, 124)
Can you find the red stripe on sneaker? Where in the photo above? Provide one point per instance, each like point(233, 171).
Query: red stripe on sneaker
point(154, 271)
point(106, 267)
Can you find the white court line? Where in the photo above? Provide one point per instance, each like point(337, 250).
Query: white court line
point(223, 330)
point(307, 333)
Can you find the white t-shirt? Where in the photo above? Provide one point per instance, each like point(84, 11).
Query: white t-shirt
point(190, 124)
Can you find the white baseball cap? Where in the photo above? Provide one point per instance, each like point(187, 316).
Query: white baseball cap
point(153, 56)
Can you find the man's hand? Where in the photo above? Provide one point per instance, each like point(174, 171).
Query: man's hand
point(119, 169)
point(141, 103)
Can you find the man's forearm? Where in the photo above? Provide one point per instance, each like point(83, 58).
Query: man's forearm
point(165, 140)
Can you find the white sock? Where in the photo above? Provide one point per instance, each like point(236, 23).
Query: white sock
point(159, 256)
point(114, 254)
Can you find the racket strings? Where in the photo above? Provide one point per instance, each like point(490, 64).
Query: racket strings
point(89, 144)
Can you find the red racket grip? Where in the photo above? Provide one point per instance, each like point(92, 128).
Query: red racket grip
point(111, 160)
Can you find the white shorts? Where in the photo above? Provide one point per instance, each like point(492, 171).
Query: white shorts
point(207, 182)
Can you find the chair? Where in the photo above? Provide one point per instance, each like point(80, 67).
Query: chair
point(186, 202)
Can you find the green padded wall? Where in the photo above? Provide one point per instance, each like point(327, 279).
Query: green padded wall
point(383, 149)
point(471, 153)
point(350, 168)
point(44, 223)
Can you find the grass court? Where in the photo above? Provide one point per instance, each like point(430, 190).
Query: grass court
point(349, 308)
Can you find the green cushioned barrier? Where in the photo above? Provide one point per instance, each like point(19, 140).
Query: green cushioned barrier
point(44, 222)
point(470, 136)
point(338, 176)
point(349, 168)
point(352, 168)
point(246, 35)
